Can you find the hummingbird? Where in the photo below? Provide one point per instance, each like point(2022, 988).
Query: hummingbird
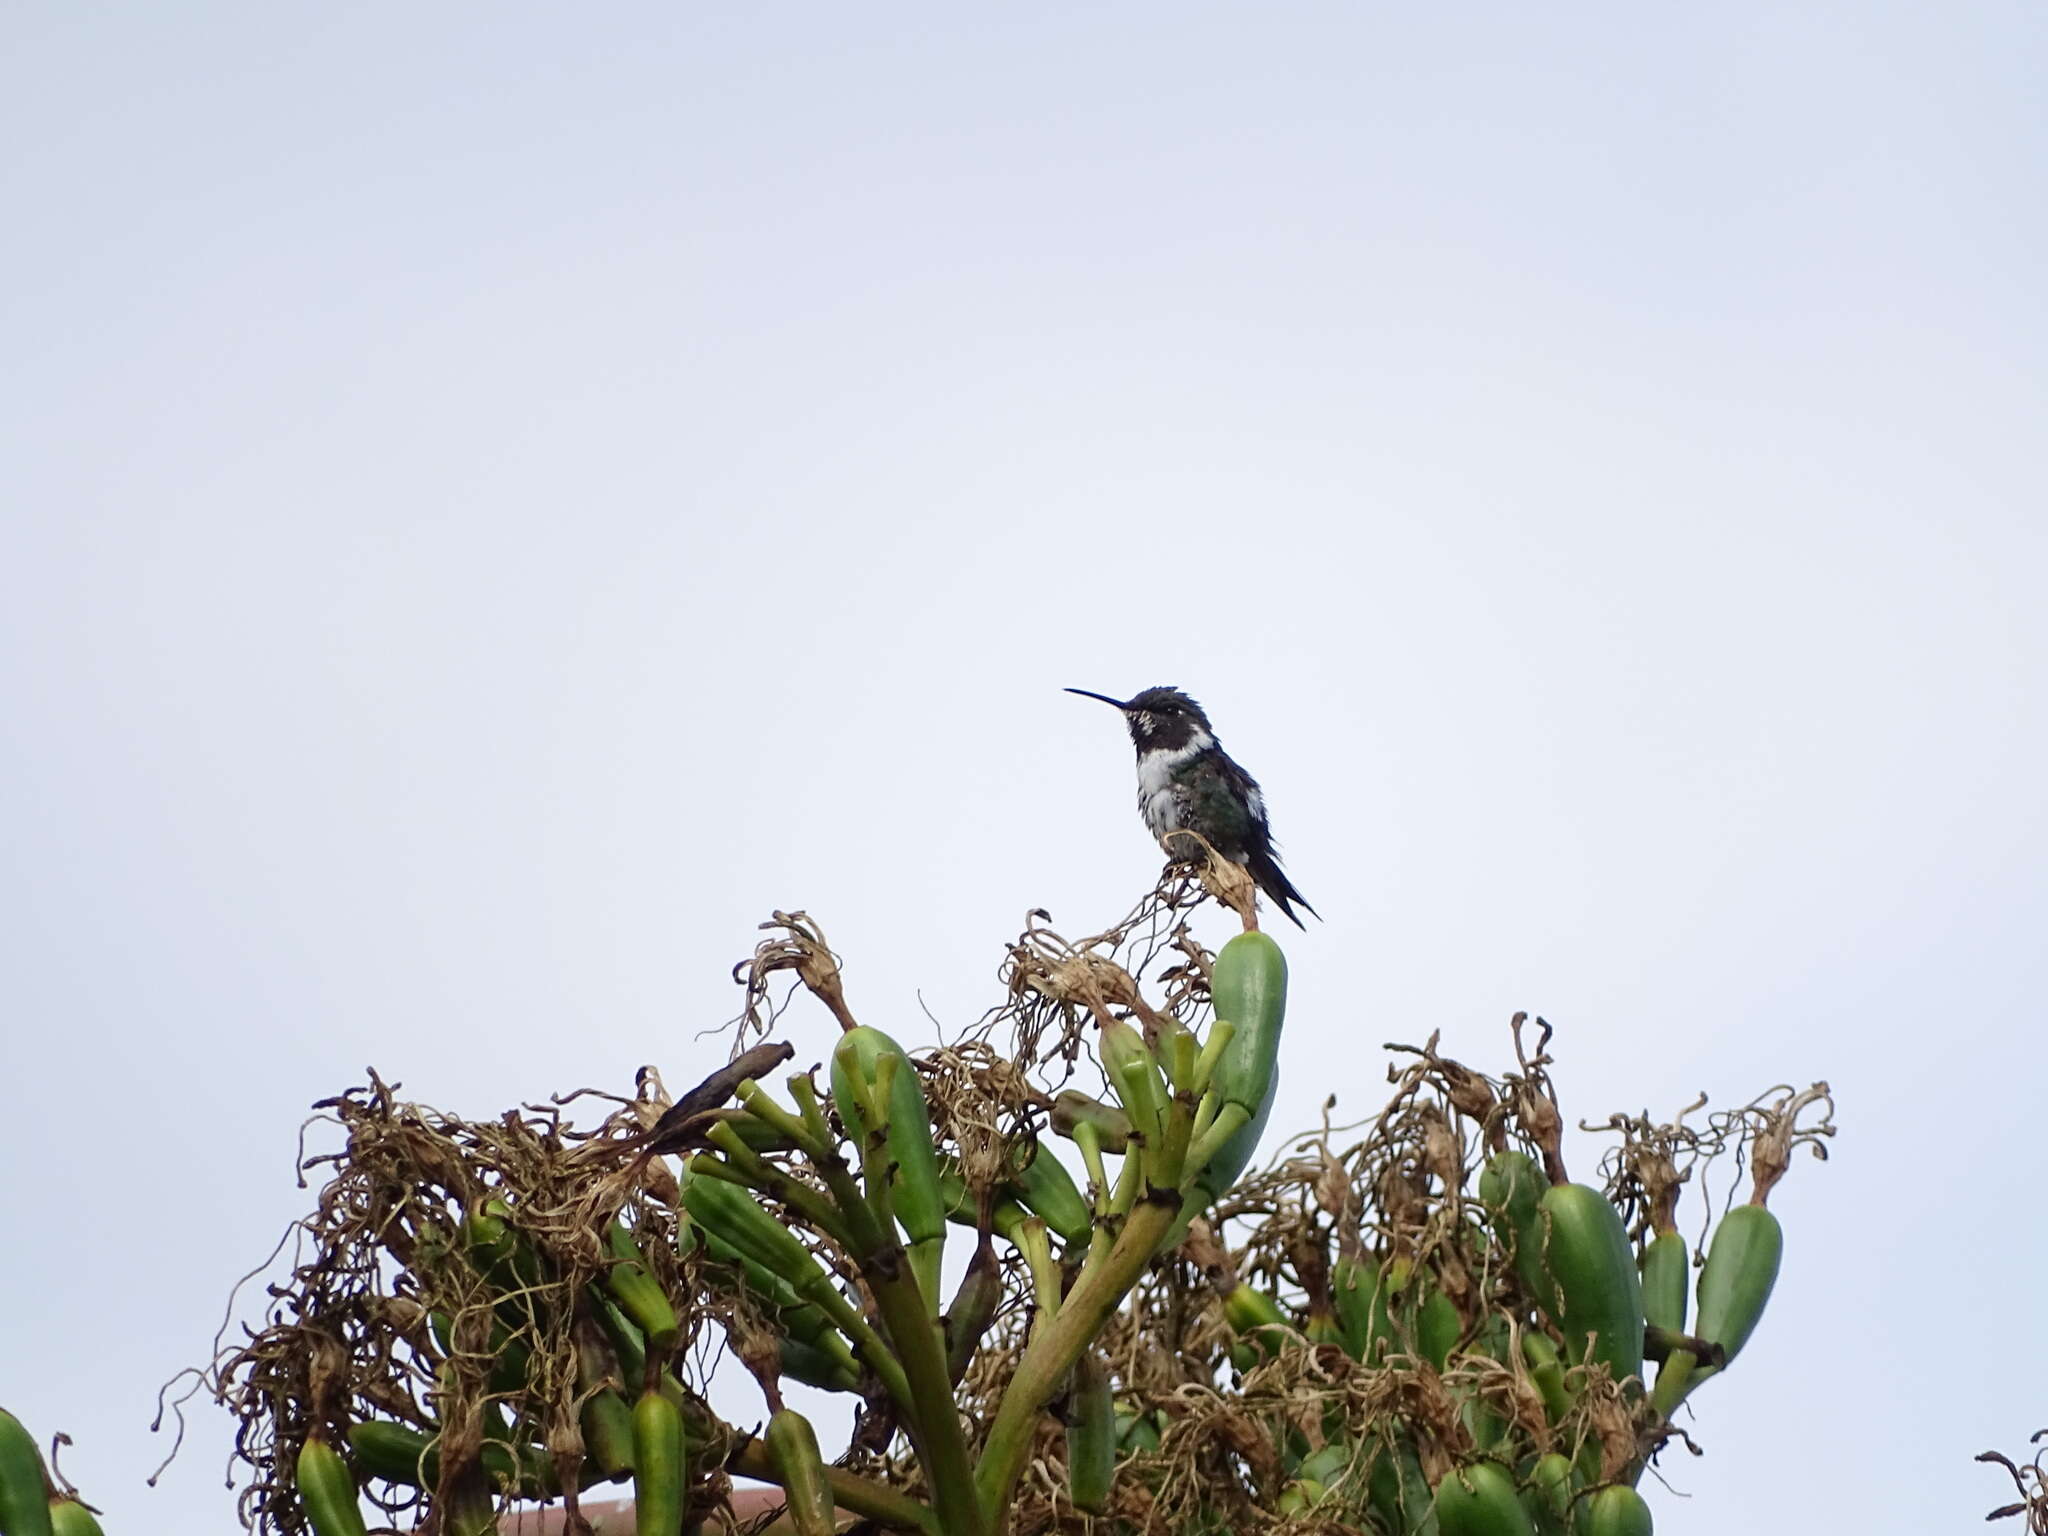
point(1188, 783)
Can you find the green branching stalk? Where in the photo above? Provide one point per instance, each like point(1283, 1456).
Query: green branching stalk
point(805, 1093)
point(777, 1186)
point(918, 1357)
point(855, 1217)
point(1032, 1243)
point(1230, 1119)
point(1138, 1082)
point(811, 1282)
point(1173, 1145)
point(762, 1106)
point(1182, 1054)
point(932, 1417)
point(1090, 1142)
point(1130, 1178)
point(1054, 1349)
point(1221, 1033)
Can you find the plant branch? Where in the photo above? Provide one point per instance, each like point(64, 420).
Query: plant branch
point(1054, 1348)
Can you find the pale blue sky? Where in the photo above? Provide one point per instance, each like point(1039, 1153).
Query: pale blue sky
point(501, 497)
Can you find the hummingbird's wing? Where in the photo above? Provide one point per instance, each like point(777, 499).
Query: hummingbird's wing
point(1259, 856)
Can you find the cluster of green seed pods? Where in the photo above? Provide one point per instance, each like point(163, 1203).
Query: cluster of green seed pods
point(1182, 1119)
point(1574, 1303)
point(1453, 1338)
point(636, 1422)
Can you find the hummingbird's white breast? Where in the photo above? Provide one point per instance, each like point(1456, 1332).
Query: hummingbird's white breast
point(1157, 801)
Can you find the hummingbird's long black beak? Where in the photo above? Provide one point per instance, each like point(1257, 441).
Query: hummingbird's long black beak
point(1113, 703)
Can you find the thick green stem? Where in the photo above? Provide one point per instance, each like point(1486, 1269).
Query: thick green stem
point(919, 1357)
point(934, 1420)
point(1173, 1142)
point(1054, 1349)
point(849, 1491)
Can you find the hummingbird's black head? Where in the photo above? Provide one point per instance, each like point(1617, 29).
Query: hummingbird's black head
point(1161, 719)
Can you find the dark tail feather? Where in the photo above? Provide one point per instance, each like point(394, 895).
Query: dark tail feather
point(1273, 881)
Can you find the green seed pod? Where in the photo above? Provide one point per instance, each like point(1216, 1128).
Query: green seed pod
point(396, 1454)
point(769, 1291)
point(1547, 1371)
point(510, 1356)
point(1137, 1434)
point(24, 1490)
point(1248, 986)
point(1667, 1266)
point(915, 1191)
point(1587, 1252)
point(1553, 1486)
point(973, 1309)
point(657, 1467)
point(827, 1369)
point(1482, 1423)
point(1395, 1488)
point(68, 1517)
point(638, 1295)
point(793, 1448)
point(1438, 1328)
point(504, 1256)
point(1363, 1294)
point(327, 1492)
point(626, 1341)
point(1322, 1327)
point(1617, 1510)
point(726, 1211)
point(1742, 1267)
point(1326, 1464)
point(1048, 1190)
point(1511, 1189)
point(1303, 1494)
point(607, 1423)
point(1072, 1108)
point(468, 1510)
point(1005, 1214)
point(1091, 1435)
point(1256, 1317)
point(1479, 1500)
